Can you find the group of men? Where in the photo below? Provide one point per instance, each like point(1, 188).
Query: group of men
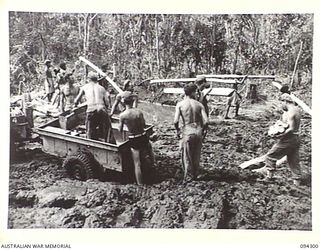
point(192, 111)
point(233, 101)
point(98, 121)
point(97, 117)
point(59, 86)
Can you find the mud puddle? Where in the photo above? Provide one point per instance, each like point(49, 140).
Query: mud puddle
point(41, 195)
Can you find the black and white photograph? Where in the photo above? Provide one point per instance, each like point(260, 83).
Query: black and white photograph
point(156, 120)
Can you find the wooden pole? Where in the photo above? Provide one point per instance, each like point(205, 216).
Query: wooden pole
point(304, 106)
point(240, 76)
point(295, 65)
point(260, 159)
point(101, 73)
point(214, 78)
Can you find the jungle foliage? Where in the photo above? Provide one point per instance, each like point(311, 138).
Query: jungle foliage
point(144, 46)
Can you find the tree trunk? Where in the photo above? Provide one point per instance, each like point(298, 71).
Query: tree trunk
point(236, 57)
point(85, 26)
point(157, 45)
point(295, 65)
point(43, 49)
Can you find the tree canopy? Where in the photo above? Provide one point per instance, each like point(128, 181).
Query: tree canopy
point(143, 46)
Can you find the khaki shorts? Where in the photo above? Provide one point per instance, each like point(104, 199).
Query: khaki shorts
point(288, 146)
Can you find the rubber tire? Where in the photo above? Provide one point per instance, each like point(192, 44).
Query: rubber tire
point(80, 167)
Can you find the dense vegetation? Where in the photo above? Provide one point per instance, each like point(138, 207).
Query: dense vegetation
point(143, 46)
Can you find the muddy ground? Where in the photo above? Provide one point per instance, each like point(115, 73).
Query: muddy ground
point(41, 195)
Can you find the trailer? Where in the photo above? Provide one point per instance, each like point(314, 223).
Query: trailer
point(84, 158)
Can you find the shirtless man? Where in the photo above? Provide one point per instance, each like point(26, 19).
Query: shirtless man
point(139, 142)
point(202, 84)
point(97, 116)
point(49, 83)
point(195, 122)
point(127, 91)
point(60, 80)
point(68, 94)
point(288, 144)
point(235, 98)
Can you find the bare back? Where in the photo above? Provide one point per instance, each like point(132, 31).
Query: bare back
point(95, 96)
point(134, 120)
point(190, 111)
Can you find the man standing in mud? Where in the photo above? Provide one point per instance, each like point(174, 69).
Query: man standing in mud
point(141, 149)
point(60, 80)
point(97, 116)
point(235, 99)
point(195, 122)
point(49, 83)
point(288, 144)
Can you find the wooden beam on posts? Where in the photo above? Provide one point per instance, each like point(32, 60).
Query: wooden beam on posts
point(228, 81)
point(101, 73)
point(302, 105)
point(212, 91)
point(240, 76)
point(173, 80)
point(214, 78)
point(193, 79)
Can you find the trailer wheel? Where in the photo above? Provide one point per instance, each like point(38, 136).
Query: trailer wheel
point(79, 167)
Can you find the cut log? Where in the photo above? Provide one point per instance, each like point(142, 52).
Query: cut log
point(101, 73)
point(301, 104)
point(304, 106)
point(256, 161)
point(212, 91)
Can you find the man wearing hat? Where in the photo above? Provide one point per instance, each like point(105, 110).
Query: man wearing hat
point(97, 118)
point(202, 84)
point(141, 149)
point(48, 83)
point(289, 143)
point(195, 120)
point(127, 91)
